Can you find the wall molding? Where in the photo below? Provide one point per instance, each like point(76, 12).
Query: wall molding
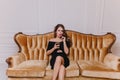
point(3, 67)
point(101, 19)
point(100, 23)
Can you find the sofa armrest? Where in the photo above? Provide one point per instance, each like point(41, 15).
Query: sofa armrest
point(16, 59)
point(112, 61)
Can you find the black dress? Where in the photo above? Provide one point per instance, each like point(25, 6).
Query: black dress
point(54, 54)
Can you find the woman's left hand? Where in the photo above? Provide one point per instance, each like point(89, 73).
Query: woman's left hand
point(63, 38)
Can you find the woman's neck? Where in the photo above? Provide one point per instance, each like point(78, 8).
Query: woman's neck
point(58, 38)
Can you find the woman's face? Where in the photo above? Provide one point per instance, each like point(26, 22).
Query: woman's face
point(59, 32)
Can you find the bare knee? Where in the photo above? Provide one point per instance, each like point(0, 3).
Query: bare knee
point(62, 68)
point(59, 59)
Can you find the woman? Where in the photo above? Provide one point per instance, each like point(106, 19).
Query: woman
point(58, 47)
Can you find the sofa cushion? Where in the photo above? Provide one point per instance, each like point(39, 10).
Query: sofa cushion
point(30, 68)
point(97, 69)
point(71, 71)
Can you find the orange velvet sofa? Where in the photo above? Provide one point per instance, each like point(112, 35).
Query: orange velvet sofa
point(90, 57)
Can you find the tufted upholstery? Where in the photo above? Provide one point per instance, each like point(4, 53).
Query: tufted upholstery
point(33, 46)
point(90, 47)
point(88, 53)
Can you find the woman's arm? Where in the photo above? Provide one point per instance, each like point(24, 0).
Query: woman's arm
point(66, 50)
point(50, 50)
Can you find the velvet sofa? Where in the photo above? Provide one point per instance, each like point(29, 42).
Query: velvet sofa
point(90, 57)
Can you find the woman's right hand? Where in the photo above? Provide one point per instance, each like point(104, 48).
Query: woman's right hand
point(56, 46)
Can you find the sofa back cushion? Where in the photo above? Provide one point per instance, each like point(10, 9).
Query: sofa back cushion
point(33, 46)
point(84, 46)
point(90, 47)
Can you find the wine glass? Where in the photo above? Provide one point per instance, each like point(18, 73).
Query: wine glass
point(58, 44)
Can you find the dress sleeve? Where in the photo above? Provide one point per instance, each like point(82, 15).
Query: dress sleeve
point(50, 45)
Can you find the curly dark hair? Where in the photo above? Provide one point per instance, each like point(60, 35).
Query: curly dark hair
point(64, 32)
point(62, 26)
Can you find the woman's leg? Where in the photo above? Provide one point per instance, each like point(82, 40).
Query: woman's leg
point(61, 73)
point(58, 62)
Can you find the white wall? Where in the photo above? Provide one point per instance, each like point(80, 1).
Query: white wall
point(40, 16)
point(68, 12)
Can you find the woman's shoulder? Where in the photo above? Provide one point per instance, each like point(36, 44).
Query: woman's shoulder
point(52, 40)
